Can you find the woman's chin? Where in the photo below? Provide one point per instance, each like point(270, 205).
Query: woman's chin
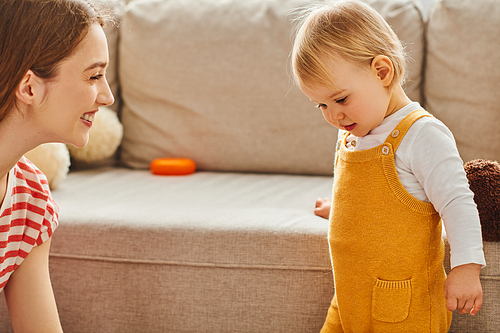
point(79, 143)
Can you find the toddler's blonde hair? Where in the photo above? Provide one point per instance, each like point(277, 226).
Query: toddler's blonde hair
point(348, 29)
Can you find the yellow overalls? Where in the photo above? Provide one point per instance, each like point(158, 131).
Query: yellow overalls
point(385, 245)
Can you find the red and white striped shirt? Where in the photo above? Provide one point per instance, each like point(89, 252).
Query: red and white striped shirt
point(28, 216)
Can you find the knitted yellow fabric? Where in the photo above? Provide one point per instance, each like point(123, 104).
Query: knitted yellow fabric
point(385, 245)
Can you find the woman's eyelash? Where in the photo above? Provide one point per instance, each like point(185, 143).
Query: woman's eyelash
point(96, 77)
point(320, 106)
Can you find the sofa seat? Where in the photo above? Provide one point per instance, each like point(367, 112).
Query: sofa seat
point(243, 249)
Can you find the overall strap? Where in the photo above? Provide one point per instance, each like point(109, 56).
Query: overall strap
point(399, 132)
point(341, 141)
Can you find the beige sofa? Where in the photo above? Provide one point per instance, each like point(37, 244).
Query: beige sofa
point(235, 247)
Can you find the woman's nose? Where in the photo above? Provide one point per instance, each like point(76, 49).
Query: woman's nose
point(105, 96)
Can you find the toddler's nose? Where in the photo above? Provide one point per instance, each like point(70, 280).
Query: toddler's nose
point(333, 116)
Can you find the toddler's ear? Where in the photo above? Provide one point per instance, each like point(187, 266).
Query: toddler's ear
point(384, 69)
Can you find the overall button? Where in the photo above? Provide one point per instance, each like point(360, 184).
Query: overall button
point(395, 133)
point(385, 150)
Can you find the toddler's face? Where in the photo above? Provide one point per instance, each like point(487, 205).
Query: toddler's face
point(359, 102)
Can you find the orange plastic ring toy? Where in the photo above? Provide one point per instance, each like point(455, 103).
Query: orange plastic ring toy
point(172, 166)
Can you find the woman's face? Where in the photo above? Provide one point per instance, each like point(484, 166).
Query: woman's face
point(74, 96)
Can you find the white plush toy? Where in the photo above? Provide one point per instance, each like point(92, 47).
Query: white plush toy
point(53, 159)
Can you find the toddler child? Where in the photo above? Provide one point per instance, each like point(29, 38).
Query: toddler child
point(397, 175)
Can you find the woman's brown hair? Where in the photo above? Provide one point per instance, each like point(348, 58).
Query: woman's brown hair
point(36, 35)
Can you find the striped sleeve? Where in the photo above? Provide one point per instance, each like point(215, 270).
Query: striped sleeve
point(28, 218)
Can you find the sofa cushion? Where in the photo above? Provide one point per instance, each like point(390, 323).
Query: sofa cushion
point(210, 80)
point(462, 73)
point(191, 210)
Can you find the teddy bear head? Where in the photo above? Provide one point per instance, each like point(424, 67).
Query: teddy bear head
point(484, 181)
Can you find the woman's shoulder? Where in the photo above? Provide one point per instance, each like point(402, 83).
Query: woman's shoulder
point(27, 174)
point(29, 216)
point(31, 186)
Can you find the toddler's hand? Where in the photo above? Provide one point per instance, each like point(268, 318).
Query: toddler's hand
point(323, 207)
point(463, 290)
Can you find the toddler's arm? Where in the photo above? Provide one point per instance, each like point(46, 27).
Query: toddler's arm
point(463, 290)
point(323, 207)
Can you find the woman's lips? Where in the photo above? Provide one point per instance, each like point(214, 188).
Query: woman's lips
point(88, 118)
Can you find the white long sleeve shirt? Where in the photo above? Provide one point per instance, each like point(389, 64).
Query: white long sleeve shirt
point(430, 168)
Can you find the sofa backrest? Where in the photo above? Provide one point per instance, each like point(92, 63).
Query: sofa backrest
point(462, 74)
point(211, 80)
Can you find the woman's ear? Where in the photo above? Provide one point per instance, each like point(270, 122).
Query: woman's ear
point(28, 87)
point(384, 69)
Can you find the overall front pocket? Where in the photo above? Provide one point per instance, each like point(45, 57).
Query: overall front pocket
point(391, 300)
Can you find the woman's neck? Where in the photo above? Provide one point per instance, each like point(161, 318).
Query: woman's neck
point(16, 138)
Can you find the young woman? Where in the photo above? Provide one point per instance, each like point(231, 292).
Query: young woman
point(53, 58)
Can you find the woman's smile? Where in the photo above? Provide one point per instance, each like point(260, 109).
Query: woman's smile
point(88, 118)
